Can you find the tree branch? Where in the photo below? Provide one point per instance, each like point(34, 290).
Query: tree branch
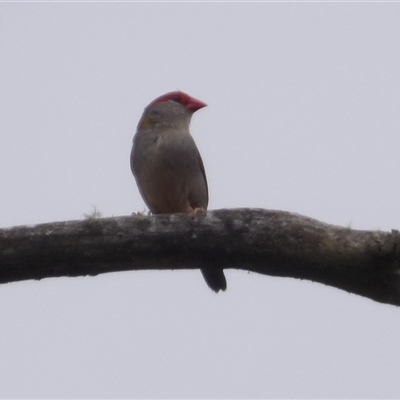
point(269, 242)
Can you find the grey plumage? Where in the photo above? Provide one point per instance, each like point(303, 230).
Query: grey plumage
point(167, 165)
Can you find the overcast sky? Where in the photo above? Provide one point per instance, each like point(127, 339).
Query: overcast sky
point(303, 116)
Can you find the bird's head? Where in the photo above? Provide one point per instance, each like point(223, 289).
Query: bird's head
point(174, 109)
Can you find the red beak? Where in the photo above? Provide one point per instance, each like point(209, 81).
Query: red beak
point(195, 104)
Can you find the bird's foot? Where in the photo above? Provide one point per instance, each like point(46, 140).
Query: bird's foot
point(198, 211)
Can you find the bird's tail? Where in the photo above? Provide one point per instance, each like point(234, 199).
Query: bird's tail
point(215, 279)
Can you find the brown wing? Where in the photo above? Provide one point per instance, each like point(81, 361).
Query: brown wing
point(198, 194)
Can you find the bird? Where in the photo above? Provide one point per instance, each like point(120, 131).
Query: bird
point(167, 165)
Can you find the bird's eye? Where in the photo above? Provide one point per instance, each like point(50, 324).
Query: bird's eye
point(177, 98)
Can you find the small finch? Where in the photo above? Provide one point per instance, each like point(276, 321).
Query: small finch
point(167, 165)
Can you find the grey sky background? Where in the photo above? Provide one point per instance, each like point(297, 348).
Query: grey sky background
point(303, 116)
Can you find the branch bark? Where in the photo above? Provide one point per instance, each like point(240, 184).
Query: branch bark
point(268, 242)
